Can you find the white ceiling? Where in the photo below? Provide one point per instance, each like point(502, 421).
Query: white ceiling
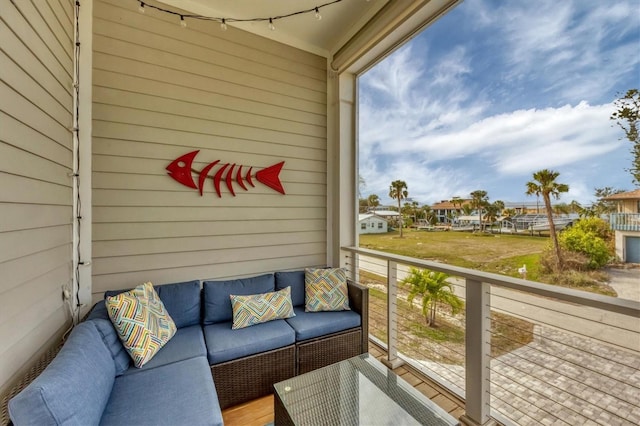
point(339, 21)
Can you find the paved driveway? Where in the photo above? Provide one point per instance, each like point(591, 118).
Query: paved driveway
point(626, 282)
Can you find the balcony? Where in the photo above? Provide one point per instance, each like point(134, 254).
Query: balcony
point(625, 221)
point(530, 353)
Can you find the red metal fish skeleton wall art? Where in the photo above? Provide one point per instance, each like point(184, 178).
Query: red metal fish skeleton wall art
point(180, 170)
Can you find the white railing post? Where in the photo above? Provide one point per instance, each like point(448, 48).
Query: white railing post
point(392, 360)
point(477, 346)
point(352, 265)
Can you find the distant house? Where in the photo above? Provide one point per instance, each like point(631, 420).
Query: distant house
point(387, 214)
point(526, 207)
point(446, 209)
point(370, 223)
point(626, 225)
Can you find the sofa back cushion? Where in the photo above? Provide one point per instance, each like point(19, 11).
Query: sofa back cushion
point(217, 301)
point(74, 388)
point(181, 300)
point(121, 358)
point(295, 280)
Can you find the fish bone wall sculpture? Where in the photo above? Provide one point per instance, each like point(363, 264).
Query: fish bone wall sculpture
point(181, 170)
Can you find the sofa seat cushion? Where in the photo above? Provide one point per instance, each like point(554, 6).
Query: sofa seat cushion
point(181, 393)
point(74, 388)
point(217, 302)
point(225, 344)
point(309, 325)
point(188, 342)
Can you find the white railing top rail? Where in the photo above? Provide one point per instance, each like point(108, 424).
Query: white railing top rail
point(608, 303)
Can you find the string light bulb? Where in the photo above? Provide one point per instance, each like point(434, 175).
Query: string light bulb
point(183, 23)
point(271, 26)
point(223, 25)
point(318, 16)
point(141, 7)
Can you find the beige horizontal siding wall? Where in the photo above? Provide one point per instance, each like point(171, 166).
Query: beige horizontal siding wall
point(161, 91)
point(36, 56)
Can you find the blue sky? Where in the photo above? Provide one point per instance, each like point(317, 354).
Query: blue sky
point(496, 90)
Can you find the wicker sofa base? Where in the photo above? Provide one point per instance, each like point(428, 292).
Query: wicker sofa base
point(253, 376)
point(326, 350)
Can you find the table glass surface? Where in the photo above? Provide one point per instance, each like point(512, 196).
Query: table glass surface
point(357, 391)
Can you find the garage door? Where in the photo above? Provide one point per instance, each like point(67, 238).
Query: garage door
point(632, 249)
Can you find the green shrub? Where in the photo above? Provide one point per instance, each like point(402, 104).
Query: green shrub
point(584, 237)
point(595, 225)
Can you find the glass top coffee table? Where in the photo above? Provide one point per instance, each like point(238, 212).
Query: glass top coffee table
point(357, 391)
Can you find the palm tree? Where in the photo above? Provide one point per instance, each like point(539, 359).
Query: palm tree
point(545, 184)
point(467, 209)
point(575, 207)
point(456, 201)
point(361, 185)
point(433, 288)
point(479, 200)
point(373, 201)
point(429, 215)
point(398, 191)
point(493, 210)
point(451, 215)
point(509, 213)
point(562, 208)
point(414, 207)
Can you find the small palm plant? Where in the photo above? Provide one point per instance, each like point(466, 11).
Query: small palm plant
point(433, 289)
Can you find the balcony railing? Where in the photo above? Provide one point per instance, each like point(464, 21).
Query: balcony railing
point(625, 221)
point(529, 353)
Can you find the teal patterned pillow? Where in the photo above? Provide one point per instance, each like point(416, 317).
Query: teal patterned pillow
point(258, 308)
point(325, 290)
point(142, 322)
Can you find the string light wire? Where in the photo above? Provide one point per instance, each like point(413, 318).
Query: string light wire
point(76, 166)
point(225, 20)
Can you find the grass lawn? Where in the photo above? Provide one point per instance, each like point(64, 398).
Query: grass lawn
point(498, 253)
point(444, 343)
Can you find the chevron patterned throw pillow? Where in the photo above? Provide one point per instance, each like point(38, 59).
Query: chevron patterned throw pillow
point(142, 322)
point(258, 308)
point(325, 290)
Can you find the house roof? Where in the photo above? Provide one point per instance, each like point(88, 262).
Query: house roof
point(446, 204)
point(629, 195)
point(385, 213)
point(364, 216)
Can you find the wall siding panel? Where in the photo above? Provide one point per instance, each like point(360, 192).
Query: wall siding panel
point(161, 91)
point(205, 85)
point(36, 48)
point(108, 214)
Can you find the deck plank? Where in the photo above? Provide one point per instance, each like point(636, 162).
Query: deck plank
point(258, 412)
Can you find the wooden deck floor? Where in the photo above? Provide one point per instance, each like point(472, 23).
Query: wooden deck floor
point(260, 411)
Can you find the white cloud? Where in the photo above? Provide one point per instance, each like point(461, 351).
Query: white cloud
point(395, 76)
point(513, 144)
point(422, 119)
point(568, 41)
point(523, 140)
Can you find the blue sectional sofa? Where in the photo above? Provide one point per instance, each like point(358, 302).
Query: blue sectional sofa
point(205, 367)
